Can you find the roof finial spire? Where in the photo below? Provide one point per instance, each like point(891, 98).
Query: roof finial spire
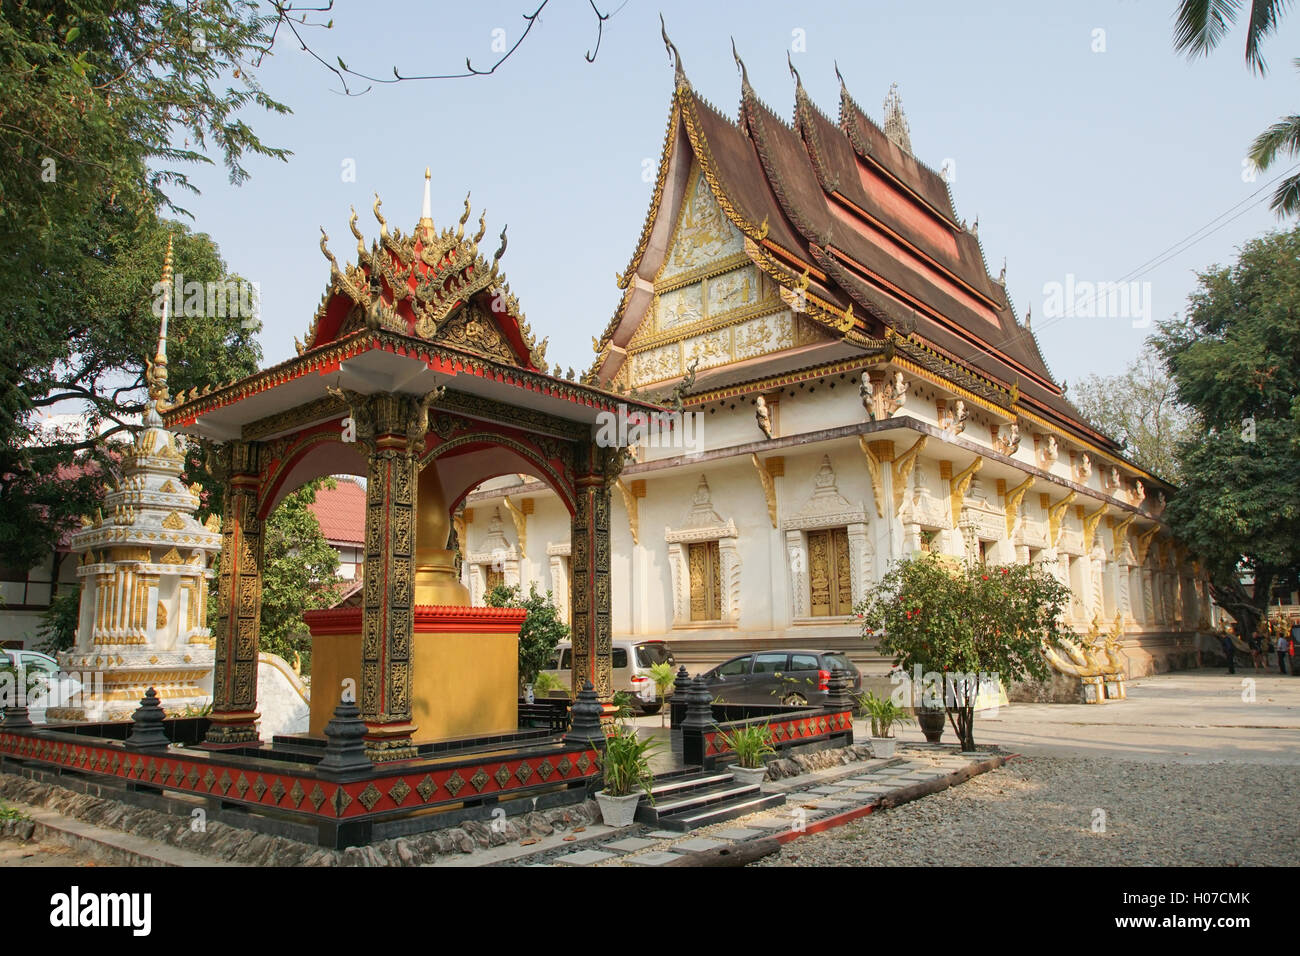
point(895, 121)
point(793, 72)
point(838, 75)
point(156, 373)
point(426, 208)
point(672, 51)
point(740, 64)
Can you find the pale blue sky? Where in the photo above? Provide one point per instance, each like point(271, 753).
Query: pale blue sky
point(1076, 162)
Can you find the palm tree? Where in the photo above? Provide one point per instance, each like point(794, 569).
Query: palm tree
point(1199, 26)
point(1282, 138)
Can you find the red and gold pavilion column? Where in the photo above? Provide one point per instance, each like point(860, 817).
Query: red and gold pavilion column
point(392, 427)
point(234, 681)
point(593, 643)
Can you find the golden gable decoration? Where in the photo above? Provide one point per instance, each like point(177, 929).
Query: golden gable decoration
point(428, 283)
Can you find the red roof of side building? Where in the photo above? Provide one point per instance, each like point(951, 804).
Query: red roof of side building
point(341, 512)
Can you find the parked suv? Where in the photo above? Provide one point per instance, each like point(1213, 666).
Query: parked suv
point(793, 677)
point(631, 664)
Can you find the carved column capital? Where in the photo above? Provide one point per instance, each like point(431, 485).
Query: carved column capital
point(390, 420)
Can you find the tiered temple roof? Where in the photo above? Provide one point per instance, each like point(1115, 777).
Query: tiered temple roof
point(845, 214)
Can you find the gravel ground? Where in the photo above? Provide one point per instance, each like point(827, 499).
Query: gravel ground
point(1040, 811)
point(41, 853)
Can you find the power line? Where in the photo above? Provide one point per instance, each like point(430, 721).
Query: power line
point(1160, 258)
point(1187, 242)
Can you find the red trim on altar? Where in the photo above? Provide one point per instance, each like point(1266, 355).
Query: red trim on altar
point(403, 789)
point(428, 619)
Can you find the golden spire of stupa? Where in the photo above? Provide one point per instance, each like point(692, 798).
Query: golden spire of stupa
point(156, 373)
point(426, 208)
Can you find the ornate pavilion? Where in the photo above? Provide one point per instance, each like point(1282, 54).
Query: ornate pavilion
point(421, 374)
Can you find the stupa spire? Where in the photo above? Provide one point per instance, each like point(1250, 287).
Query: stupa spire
point(426, 208)
point(156, 374)
point(896, 121)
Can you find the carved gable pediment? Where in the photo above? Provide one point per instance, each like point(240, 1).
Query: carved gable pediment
point(701, 522)
point(435, 285)
point(712, 305)
point(825, 507)
point(703, 234)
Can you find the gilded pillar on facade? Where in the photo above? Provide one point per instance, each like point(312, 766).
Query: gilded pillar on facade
point(239, 594)
point(392, 429)
point(593, 642)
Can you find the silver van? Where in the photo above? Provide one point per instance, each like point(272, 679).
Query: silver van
point(632, 660)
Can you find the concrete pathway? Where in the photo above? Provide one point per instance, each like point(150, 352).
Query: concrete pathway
point(1201, 716)
point(814, 801)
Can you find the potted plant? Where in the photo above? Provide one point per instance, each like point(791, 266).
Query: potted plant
point(663, 675)
point(928, 704)
point(750, 743)
point(883, 714)
point(931, 721)
point(625, 767)
point(546, 684)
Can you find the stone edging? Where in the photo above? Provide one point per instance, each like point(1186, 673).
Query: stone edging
point(125, 828)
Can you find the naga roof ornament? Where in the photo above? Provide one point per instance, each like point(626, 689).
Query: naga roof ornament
point(676, 57)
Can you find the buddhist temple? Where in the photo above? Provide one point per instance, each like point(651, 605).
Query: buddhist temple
point(856, 387)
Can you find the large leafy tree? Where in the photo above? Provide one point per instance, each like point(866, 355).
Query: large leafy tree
point(102, 106)
point(1199, 27)
point(1139, 409)
point(300, 574)
point(1233, 358)
point(87, 357)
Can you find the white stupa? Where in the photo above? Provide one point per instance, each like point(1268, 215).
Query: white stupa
point(144, 578)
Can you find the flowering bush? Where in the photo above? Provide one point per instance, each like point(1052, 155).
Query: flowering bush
point(971, 623)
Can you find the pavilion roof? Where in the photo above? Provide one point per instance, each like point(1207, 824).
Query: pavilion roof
point(415, 311)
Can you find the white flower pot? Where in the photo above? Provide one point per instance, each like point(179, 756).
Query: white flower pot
point(617, 811)
point(748, 775)
point(883, 747)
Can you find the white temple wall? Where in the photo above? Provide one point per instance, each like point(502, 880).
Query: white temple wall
point(768, 590)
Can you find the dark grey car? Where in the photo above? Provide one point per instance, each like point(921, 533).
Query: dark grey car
point(779, 676)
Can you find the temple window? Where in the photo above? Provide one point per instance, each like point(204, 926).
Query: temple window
point(830, 579)
point(704, 560)
point(828, 550)
point(705, 564)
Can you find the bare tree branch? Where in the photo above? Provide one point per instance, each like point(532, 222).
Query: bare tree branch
point(295, 18)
